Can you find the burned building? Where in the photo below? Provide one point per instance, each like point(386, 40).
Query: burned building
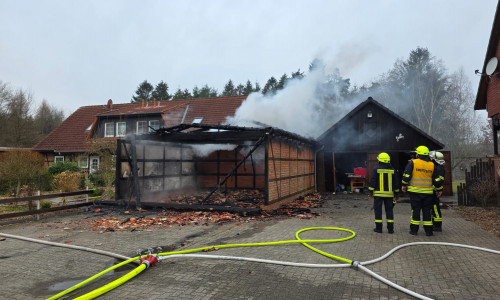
point(152, 168)
point(355, 141)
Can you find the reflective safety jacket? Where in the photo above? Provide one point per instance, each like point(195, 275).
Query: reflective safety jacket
point(421, 177)
point(439, 169)
point(384, 181)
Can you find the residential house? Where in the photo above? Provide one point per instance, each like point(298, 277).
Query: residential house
point(488, 93)
point(70, 140)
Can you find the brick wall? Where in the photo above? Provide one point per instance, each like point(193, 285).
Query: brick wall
point(493, 92)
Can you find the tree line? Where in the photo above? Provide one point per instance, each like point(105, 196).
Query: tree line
point(147, 92)
point(23, 124)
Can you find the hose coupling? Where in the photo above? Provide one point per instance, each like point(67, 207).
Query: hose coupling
point(146, 262)
point(151, 260)
point(355, 264)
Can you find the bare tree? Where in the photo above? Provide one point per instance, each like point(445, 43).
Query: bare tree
point(47, 118)
point(19, 124)
point(459, 127)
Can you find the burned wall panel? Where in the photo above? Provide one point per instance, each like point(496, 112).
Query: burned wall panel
point(290, 170)
point(282, 166)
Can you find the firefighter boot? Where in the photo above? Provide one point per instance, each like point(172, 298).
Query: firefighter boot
point(413, 229)
point(378, 227)
point(438, 226)
point(390, 227)
point(428, 230)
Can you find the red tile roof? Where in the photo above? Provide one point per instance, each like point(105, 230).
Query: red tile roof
point(71, 134)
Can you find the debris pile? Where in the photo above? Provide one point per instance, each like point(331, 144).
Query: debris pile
point(241, 198)
point(138, 220)
point(301, 207)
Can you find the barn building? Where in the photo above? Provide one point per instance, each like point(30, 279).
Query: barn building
point(355, 141)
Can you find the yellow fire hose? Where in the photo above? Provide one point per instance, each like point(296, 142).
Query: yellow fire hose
point(110, 286)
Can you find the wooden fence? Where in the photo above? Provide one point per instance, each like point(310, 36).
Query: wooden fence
point(480, 180)
point(39, 210)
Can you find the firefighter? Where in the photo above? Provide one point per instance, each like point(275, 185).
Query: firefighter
point(420, 180)
point(437, 218)
point(384, 188)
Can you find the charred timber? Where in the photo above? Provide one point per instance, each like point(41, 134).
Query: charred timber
point(224, 134)
point(190, 207)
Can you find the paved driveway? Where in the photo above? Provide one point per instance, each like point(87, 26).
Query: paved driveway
point(36, 271)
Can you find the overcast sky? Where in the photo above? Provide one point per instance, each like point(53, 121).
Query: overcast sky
point(77, 53)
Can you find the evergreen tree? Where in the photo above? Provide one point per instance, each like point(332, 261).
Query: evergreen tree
point(161, 91)
point(421, 82)
point(196, 92)
point(248, 88)
point(179, 94)
point(186, 94)
point(298, 74)
point(257, 87)
point(271, 87)
point(229, 89)
point(282, 82)
point(240, 90)
point(144, 91)
point(208, 92)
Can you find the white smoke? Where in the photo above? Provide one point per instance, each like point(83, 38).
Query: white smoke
point(206, 149)
point(301, 107)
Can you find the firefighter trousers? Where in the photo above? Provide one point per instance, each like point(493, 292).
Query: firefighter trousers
point(437, 218)
point(388, 204)
point(421, 203)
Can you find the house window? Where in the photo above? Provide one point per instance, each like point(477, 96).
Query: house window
point(142, 127)
point(58, 159)
point(121, 128)
point(109, 130)
point(197, 120)
point(154, 125)
point(83, 162)
point(94, 164)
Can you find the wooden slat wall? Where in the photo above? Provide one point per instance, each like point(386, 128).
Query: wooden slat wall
point(290, 170)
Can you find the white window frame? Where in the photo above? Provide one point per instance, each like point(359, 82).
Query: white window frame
point(118, 133)
point(108, 125)
point(144, 125)
point(197, 120)
point(83, 162)
point(154, 125)
point(58, 157)
point(91, 168)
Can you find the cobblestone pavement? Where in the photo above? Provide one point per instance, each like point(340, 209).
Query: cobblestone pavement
point(36, 271)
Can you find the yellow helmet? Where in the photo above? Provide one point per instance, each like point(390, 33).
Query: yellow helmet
point(422, 150)
point(384, 157)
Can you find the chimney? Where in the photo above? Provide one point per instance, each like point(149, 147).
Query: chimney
point(142, 104)
point(110, 104)
point(154, 102)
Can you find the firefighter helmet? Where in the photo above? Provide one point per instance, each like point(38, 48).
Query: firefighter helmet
point(384, 157)
point(432, 154)
point(439, 158)
point(422, 150)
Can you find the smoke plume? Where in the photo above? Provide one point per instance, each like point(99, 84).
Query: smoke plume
point(306, 106)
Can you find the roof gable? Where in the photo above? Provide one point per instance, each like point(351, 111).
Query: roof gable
point(344, 131)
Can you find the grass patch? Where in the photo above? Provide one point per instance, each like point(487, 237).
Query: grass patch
point(13, 208)
point(455, 184)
